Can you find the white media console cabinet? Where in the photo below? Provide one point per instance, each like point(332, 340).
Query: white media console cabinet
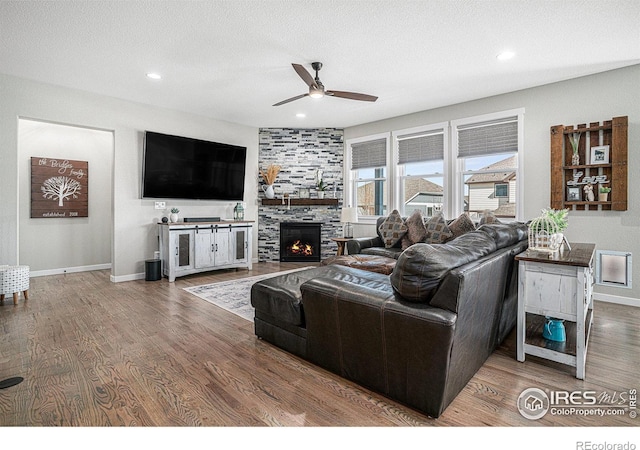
point(192, 247)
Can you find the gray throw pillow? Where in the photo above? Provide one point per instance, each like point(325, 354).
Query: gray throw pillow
point(392, 229)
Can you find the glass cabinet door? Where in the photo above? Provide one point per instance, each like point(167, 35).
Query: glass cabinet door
point(240, 247)
point(183, 250)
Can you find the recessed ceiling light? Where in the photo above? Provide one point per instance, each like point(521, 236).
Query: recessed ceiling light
point(506, 55)
point(301, 115)
point(154, 76)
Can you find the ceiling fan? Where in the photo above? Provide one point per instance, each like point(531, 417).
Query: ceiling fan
point(317, 90)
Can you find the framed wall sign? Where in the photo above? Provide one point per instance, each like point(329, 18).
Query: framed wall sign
point(59, 188)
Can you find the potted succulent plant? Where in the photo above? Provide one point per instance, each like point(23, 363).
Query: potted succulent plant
point(603, 193)
point(173, 217)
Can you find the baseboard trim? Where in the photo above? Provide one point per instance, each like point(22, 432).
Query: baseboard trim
point(629, 301)
point(130, 277)
point(63, 270)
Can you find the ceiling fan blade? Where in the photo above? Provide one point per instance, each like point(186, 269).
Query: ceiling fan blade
point(305, 75)
point(352, 96)
point(291, 99)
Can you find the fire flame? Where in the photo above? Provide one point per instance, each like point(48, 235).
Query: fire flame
point(298, 248)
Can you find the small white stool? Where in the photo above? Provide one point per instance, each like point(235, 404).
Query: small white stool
point(13, 280)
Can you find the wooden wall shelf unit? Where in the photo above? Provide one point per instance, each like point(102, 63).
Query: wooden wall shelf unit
point(300, 202)
point(612, 133)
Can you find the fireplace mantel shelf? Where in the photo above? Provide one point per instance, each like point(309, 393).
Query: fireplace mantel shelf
point(300, 202)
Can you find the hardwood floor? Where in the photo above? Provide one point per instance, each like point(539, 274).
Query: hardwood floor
point(139, 353)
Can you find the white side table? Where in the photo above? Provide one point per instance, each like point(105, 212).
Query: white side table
point(13, 280)
point(558, 285)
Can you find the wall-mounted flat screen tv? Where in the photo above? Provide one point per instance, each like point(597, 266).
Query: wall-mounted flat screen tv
point(185, 168)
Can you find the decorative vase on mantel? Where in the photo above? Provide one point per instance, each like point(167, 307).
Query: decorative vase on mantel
point(268, 191)
point(320, 194)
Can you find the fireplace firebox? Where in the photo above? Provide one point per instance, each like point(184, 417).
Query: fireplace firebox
point(300, 241)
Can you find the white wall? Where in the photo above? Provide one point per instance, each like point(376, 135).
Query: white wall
point(66, 242)
point(588, 99)
point(134, 233)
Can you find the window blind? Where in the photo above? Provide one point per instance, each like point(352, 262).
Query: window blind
point(421, 147)
point(369, 154)
point(483, 138)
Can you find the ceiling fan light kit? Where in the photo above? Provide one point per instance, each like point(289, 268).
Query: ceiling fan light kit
point(317, 90)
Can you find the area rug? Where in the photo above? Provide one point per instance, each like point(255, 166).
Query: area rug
point(234, 295)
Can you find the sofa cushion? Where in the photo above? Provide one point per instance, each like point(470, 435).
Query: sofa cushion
point(392, 252)
point(421, 267)
point(438, 231)
point(461, 225)
point(416, 230)
point(392, 229)
point(505, 234)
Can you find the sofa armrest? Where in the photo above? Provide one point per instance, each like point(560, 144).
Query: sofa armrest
point(355, 246)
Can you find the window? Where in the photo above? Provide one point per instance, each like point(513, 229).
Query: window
point(468, 165)
point(420, 169)
point(501, 190)
point(367, 162)
point(487, 172)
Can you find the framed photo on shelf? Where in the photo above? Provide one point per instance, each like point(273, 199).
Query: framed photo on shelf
point(574, 194)
point(303, 192)
point(599, 155)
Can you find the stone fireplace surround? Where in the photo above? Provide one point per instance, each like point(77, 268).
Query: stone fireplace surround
point(300, 153)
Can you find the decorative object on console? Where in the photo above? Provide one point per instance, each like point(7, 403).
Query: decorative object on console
point(588, 193)
point(348, 216)
point(303, 193)
point(546, 231)
point(603, 193)
point(238, 211)
point(269, 178)
point(173, 217)
point(554, 330)
point(574, 139)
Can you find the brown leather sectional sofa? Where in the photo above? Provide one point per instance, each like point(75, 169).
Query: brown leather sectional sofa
point(417, 335)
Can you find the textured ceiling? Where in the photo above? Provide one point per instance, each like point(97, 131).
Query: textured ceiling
point(231, 60)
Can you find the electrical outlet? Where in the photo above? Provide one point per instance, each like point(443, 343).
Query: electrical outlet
point(161, 205)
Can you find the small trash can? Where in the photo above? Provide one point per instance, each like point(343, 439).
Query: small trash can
point(153, 270)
